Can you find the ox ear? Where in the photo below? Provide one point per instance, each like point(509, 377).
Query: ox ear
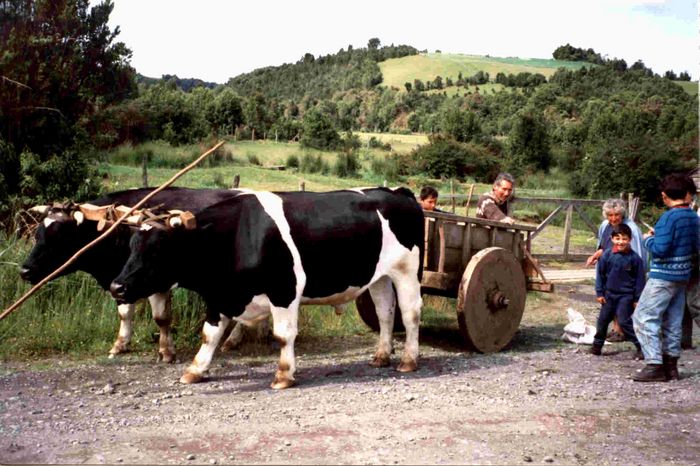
point(40, 209)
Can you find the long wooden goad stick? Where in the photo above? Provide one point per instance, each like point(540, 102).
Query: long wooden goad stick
point(75, 256)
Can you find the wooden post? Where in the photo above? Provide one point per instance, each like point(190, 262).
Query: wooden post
point(452, 191)
point(567, 229)
point(252, 135)
point(302, 186)
point(236, 181)
point(386, 183)
point(469, 199)
point(144, 171)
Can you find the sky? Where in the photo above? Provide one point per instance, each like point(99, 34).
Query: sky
point(215, 40)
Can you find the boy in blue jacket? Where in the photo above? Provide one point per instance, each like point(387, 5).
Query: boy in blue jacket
point(619, 283)
point(673, 244)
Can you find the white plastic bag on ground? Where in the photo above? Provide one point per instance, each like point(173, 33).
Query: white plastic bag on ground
point(577, 330)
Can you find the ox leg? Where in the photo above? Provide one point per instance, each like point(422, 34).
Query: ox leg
point(255, 316)
point(410, 302)
point(383, 297)
point(211, 335)
point(234, 338)
point(126, 321)
point(285, 322)
point(161, 307)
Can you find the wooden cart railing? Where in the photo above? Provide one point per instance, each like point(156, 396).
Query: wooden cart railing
point(451, 241)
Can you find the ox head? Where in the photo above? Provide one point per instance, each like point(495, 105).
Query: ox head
point(153, 261)
point(57, 237)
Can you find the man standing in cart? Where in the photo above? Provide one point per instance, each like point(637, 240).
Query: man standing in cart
point(494, 205)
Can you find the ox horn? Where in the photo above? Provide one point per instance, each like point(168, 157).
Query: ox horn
point(78, 216)
point(185, 219)
point(40, 209)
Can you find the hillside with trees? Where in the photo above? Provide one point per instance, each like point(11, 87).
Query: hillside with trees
point(607, 126)
point(320, 77)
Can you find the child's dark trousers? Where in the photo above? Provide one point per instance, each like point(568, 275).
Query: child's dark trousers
point(619, 305)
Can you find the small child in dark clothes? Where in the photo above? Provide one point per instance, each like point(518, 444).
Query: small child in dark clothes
point(618, 285)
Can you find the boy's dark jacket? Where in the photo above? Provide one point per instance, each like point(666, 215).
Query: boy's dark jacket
point(620, 273)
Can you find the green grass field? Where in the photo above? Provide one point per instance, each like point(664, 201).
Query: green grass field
point(426, 67)
point(400, 143)
point(691, 87)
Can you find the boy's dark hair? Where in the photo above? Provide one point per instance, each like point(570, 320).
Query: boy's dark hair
point(676, 186)
point(428, 192)
point(621, 229)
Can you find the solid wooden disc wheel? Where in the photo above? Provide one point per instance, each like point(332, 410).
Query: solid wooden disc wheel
point(491, 299)
point(368, 313)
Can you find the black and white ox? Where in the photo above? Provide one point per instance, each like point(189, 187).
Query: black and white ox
point(64, 231)
point(262, 253)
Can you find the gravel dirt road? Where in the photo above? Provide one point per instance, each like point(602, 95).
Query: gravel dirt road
point(540, 401)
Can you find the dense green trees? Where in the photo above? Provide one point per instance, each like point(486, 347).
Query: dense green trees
point(528, 143)
point(321, 77)
point(569, 53)
point(60, 65)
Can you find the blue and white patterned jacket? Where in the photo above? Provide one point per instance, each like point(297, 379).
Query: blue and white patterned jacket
point(674, 245)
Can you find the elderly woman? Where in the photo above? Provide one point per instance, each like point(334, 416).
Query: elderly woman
point(615, 213)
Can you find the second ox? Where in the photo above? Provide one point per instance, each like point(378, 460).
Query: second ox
point(260, 253)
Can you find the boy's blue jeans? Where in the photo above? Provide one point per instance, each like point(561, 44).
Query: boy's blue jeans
point(619, 305)
point(660, 312)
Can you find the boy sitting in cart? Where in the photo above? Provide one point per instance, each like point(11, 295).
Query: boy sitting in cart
point(428, 199)
point(619, 284)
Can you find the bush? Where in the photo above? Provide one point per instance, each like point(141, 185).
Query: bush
point(318, 131)
point(445, 157)
point(69, 176)
point(346, 165)
point(253, 159)
point(388, 168)
point(375, 143)
point(292, 161)
point(314, 164)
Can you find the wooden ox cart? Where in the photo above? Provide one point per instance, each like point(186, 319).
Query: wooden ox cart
point(486, 265)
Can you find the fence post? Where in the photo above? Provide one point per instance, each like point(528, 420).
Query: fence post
point(386, 183)
point(452, 191)
point(567, 229)
point(302, 186)
point(469, 199)
point(144, 171)
point(236, 181)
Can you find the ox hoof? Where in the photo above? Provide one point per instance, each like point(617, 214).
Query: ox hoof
point(227, 347)
point(189, 377)
point(407, 365)
point(281, 383)
point(380, 360)
point(167, 358)
point(118, 349)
